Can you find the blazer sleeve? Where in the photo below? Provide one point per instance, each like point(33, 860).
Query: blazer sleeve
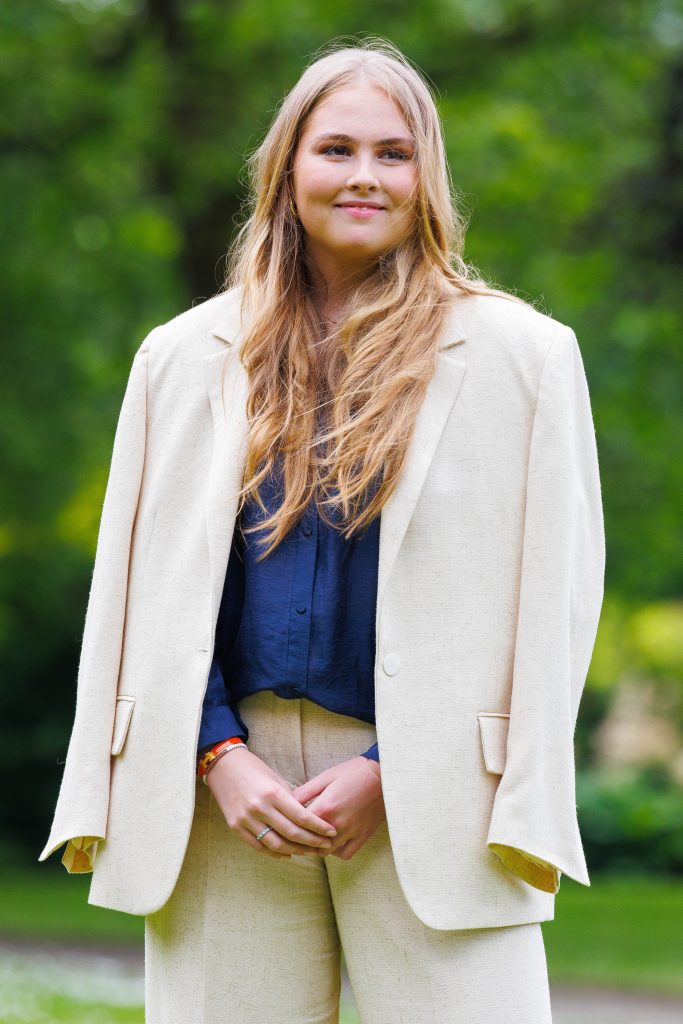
point(80, 816)
point(533, 827)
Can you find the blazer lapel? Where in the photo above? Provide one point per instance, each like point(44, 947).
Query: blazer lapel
point(441, 394)
point(228, 459)
point(230, 436)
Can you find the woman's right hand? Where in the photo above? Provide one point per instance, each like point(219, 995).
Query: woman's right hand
point(252, 795)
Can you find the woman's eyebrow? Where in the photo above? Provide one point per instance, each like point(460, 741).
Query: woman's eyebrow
point(339, 137)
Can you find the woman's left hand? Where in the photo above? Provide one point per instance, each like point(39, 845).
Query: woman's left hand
point(349, 796)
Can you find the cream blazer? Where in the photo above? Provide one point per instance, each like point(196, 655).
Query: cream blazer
point(491, 570)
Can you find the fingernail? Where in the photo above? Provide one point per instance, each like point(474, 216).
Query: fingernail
point(331, 832)
point(326, 844)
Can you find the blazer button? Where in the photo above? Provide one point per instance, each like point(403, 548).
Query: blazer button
point(391, 663)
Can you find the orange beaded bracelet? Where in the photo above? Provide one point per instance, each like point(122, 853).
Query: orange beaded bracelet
point(208, 759)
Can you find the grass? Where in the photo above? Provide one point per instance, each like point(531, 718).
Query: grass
point(47, 903)
point(54, 987)
point(625, 932)
point(59, 987)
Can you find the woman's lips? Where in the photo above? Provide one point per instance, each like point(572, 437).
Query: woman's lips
point(362, 212)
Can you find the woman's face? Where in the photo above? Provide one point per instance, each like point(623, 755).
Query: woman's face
point(355, 149)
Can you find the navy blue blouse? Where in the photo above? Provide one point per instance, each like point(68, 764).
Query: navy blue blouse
point(301, 622)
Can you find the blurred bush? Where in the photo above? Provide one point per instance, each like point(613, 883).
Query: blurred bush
point(124, 131)
point(631, 820)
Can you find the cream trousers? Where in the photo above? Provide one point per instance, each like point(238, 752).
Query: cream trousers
point(245, 938)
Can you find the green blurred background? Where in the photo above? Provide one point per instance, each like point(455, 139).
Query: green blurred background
point(123, 130)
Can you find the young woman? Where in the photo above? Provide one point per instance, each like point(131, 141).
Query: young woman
point(347, 585)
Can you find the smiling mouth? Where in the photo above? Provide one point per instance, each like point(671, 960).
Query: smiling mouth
point(365, 211)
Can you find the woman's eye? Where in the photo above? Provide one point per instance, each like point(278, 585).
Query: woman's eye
point(393, 154)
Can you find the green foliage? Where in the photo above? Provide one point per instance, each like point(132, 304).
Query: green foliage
point(638, 638)
point(631, 820)
point(124, 129)
point(658, 636)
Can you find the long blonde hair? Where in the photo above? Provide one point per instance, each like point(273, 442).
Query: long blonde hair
point(373, 377)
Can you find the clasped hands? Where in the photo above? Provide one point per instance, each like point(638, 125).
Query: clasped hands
point(346, 797)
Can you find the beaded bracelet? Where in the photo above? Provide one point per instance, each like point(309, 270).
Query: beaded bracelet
point(207, 761)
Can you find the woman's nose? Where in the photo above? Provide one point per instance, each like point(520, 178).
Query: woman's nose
point(362, 174)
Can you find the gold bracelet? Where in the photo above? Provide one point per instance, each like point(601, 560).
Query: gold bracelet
point(369, 759)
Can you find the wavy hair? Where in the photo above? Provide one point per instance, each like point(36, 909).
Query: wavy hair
point(368, 385)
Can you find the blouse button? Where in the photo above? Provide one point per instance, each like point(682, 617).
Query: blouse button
point(391, 663)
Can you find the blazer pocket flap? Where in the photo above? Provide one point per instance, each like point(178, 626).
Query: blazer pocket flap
point(493, 728)
point(124, 711)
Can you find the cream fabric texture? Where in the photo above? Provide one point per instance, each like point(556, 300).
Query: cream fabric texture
point(247, 938)
point(491, 571)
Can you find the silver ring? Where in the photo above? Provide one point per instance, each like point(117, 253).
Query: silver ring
point(261, 834)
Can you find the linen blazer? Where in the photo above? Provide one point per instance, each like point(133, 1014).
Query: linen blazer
point(491, 572)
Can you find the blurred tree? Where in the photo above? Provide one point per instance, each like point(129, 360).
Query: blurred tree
point(123, 132)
